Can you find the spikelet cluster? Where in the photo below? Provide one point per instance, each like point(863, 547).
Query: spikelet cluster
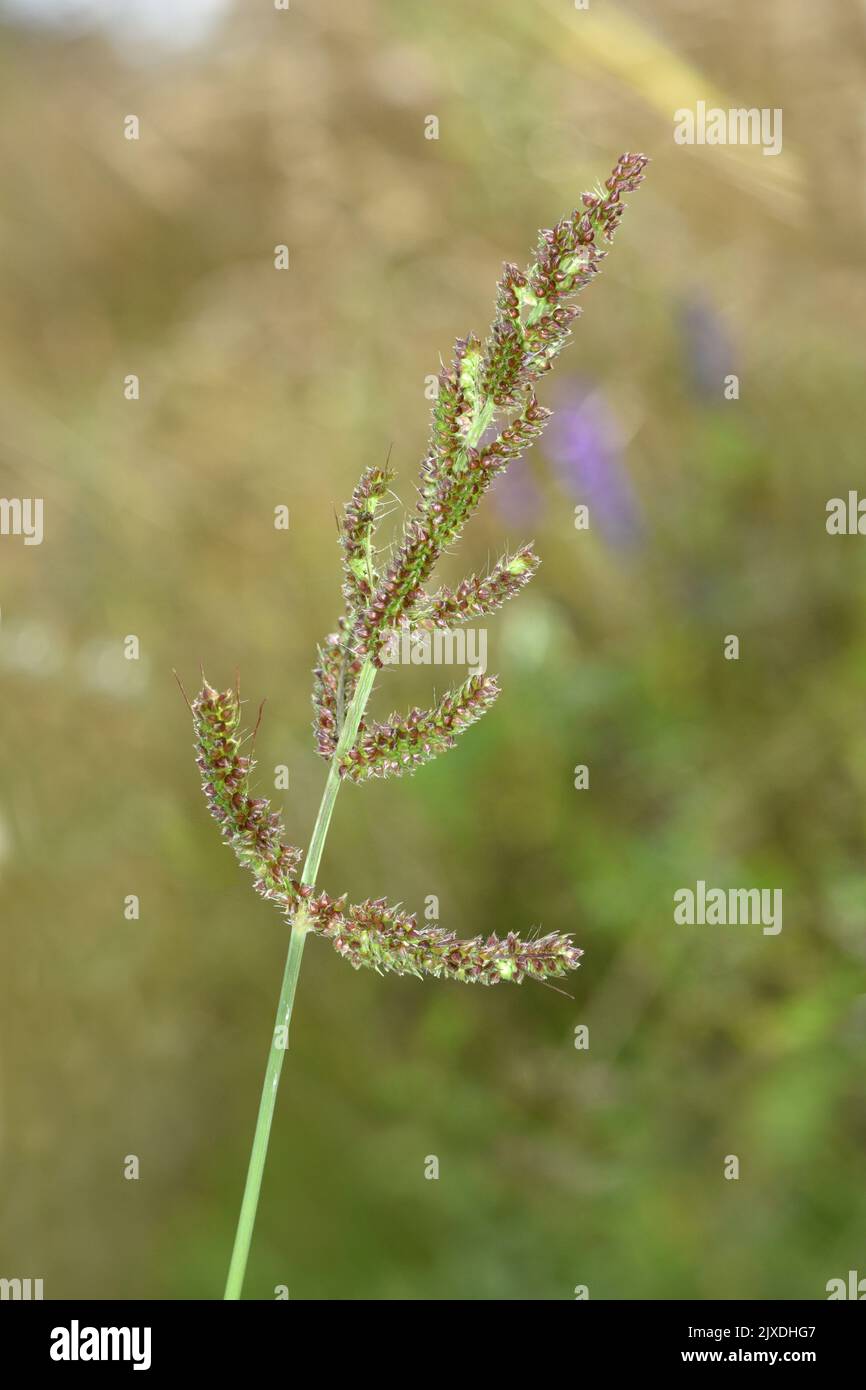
point(384, 939)
point(356, 535)
point(488, 387)
point(404, 743)
point(474, 597)
point(372, 933)
point(248, 824)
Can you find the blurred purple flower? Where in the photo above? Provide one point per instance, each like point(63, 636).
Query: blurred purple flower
point(707, 347)
point(584, 446)
point(516, 496)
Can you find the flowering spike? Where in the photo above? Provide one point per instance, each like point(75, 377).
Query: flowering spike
point(384, 939)
point(515, 438)
point(446, 433)
point(403, 744)
point(476, 598)
point(254, 832)
point(357, 535)
point(444, 512)
point(503, 362)
point(532, 307)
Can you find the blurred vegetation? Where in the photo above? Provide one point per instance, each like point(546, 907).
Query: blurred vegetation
point(558, 1167)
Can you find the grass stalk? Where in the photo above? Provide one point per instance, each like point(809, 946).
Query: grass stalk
point(280, 1035)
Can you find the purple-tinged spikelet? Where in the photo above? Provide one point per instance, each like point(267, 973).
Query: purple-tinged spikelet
point(446, 429)
point(254, 832)
point(534, 305)
point(515, 438)
point(327, 694)
point(333, 687)
point(404, 743)
point(356, 536)
point(384, 939)
point(476, 598)
point(443, 512)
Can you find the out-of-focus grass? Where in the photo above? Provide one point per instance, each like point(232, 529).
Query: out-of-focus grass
point(557, 1167)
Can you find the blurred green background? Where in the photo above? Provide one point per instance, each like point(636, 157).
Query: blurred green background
point(558, 1167)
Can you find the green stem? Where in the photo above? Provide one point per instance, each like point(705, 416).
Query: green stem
point(348, 734)
point(280, 1035)
point(300, 927)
